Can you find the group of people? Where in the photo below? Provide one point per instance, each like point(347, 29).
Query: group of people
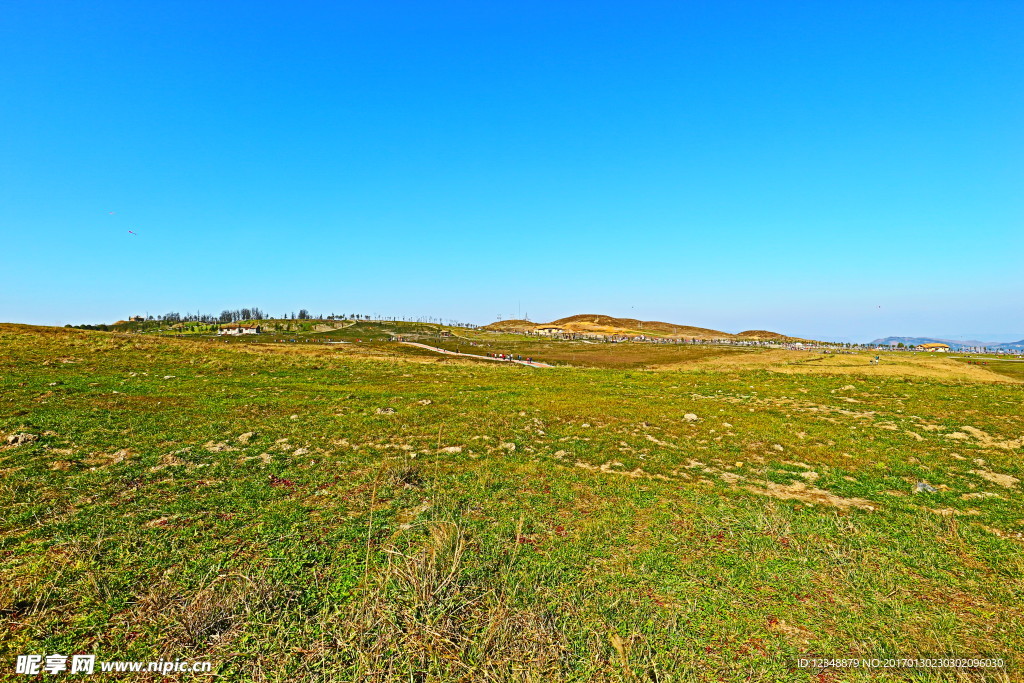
point(308, 341)
point(509, 357)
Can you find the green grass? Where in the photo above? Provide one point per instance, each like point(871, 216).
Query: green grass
point(397, 516)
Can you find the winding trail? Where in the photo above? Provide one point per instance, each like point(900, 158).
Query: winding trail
point(532, 364)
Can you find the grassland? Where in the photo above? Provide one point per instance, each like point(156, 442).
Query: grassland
point(585, 353)
point(1008, 367)
point(373, 512)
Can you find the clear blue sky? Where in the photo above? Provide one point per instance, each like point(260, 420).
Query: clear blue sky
point(835, 170)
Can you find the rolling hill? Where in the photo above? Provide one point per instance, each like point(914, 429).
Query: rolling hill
point(598, 324)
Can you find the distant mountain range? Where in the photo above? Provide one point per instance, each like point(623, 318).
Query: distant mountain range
point(955, 344)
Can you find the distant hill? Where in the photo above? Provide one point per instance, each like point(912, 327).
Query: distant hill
point(594, 323)
point(606, 324)
point(511, 326)
point(764, 335)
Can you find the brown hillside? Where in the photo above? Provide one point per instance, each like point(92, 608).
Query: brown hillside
point(595, 323)
point(511, 326)
point(606, 324)
point(762, 334)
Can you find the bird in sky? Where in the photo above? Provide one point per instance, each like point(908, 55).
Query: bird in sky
point(132, 232)
point(111, 212)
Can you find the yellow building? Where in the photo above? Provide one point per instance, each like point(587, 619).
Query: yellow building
point(933, 347)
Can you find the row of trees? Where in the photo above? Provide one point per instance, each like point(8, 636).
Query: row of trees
point(226, 316)
point(256, 313)
point(306, 315)
point(229, 316)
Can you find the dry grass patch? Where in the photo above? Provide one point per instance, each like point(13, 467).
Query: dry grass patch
point(422, 616)
point(206, 619)
point(813, 362)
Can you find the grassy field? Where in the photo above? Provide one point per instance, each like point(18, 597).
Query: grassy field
point(585, 353)
point(1012, 367)
point(374, 512)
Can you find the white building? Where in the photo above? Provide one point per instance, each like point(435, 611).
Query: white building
point(235, 329)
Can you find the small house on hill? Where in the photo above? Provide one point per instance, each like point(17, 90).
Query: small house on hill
point(136, 319)
point(932, 347)
point(235, 329)
point(550, 330)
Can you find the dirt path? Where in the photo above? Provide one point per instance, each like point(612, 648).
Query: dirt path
point(532, 364)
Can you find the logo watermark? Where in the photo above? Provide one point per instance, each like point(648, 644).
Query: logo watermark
point(31, 665)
